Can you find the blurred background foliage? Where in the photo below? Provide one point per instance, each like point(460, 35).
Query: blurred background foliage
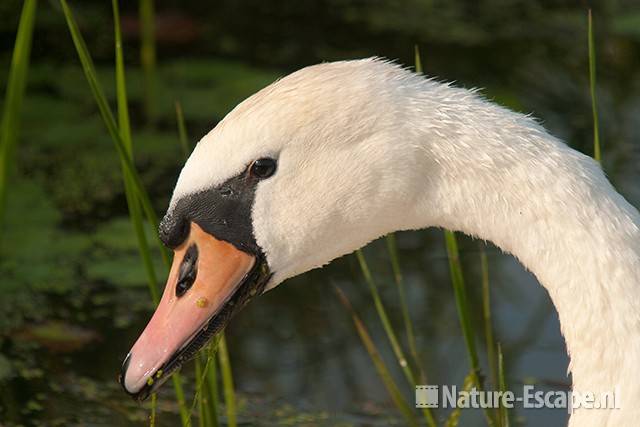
point(70, 256)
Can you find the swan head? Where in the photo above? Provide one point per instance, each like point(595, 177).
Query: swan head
point(294, 177)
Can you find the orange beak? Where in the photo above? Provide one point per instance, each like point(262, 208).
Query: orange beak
point(209, 280)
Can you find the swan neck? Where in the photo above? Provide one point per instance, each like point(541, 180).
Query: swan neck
point(552, 208)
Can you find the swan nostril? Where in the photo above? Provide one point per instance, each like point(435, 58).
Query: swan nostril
point(188, 271)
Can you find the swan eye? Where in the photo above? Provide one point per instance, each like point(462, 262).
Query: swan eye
point(263, 168)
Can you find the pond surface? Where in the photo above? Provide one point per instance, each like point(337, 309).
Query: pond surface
point(295, 352)
point(74, 294)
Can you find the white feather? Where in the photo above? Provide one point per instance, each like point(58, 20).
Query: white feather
point(366, 147)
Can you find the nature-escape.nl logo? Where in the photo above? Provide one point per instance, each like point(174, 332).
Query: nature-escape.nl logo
point(449, 396)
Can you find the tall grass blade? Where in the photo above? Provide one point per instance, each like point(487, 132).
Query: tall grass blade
point(131, 196)
point(16, 85)
point(135, 213)
point(121, 85)
point(454, 417)
point(227, 382)
point(597, 154)
point(109, 121)
point(379, 364)
point(384, 318)
point(457, 279)
point(121, 148)
point(182, 131)
point(176, 380)
point(212, 386)
point(464, 313)
point(200, 378)
point(486, 314)
point(488, 324)
point(154, 405)
point(504, 414)
point(388, 328)
point(392, 248)
point(417, 60)
point(148, 55)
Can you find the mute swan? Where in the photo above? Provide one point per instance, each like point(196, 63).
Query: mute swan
point(335, 155)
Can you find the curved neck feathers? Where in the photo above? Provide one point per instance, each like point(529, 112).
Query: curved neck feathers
point(499, 176)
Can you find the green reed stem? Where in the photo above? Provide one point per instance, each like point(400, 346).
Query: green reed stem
point(383, 371)
point(110, 123)
point(488, 324)
point(417, 60)
point(227, 382)
point(201, 374)
point(382, 314)
point(597, 154)
point(133, 200)
point(121, 147)
point(464, 312)
point(154, 404)
point(486, 314)
point(176, 380)
point(457, 278)
point(135, 213)
point(454, 417)
point(200, 400)
point(182, 131)
point(504, 414)
point(16, 86)
point(388, 328)
point(148, 55)
point(212, 386)
point(392, 248)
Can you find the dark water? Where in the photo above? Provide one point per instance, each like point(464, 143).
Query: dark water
point(295, 352)
point(74, 296)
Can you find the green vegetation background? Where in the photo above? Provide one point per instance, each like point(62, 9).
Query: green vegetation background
point(67, 232)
